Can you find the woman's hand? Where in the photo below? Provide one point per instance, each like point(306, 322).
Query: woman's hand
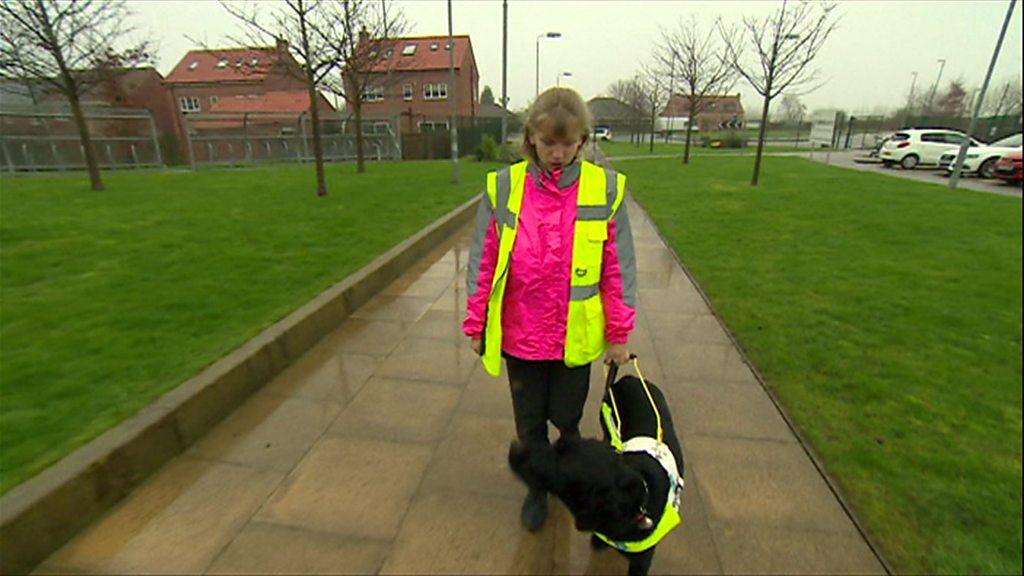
point(617, 354)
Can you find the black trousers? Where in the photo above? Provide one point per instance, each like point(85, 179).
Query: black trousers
point(545, 390)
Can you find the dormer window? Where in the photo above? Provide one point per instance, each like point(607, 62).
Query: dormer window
point(223, 62)
point(433, 46)
point(409, 50)
point(448, 45)
point(254, 62)
point(193, 65)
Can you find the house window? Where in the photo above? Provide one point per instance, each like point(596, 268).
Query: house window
point(433, 46)
point(427, 125)
point(435, 91)
point(222, 63)
point(409, 50)
point(374, 94)
point(190, 104)
point(407, 92)
point(214, 100)
point(193, 65)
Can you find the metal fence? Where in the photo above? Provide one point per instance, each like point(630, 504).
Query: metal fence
point(249, 138)
point(34, 139)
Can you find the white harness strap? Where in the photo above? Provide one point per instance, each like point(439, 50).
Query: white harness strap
point(660, 452)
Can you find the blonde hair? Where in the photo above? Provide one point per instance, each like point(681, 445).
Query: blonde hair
point(558, 112)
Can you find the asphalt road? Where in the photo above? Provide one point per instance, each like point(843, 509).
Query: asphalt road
point(845, 159)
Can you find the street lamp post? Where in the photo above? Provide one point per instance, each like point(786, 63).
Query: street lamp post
point(935, 87)
point(536, 90)
point(910, 97)
point(558, 80)
point(958, 164)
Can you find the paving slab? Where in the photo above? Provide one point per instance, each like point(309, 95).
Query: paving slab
point(383, 450)
point(174, 524)
point(398, 410)
point(350, 486)
point(275, 549)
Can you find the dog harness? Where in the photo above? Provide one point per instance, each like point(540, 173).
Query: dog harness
point(655, 448)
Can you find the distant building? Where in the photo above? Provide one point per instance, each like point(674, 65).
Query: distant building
point(613, 113)
point(410, 81)
point(266, 81)
point(717, 113)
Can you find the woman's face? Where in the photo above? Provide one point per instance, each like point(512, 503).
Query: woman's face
point(555, 152)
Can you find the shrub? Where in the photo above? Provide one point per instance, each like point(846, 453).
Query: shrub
point(730, 139)
point(487, 150)
point(511, 152)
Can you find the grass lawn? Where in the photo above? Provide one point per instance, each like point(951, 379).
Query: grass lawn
point(624, 148)
point(112, 298)
point(886, 314)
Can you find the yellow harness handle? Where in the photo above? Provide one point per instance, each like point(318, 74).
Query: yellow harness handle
point(610, 376)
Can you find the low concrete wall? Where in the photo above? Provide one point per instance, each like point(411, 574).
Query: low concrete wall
point(42, 514)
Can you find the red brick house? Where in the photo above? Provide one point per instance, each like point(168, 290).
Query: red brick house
point(233, 81)
point(410, 80)
point(717, 112)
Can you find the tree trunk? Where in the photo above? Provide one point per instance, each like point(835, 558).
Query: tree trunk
point(760, 141)
point(318, 149)
point(314, 112)
point(357, 109)
point(95, 180)
point(654, 110)
point(689, 131)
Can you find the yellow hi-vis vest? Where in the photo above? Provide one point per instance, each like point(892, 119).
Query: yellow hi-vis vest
point(601, 192)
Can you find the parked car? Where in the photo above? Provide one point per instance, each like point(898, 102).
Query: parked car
point(1008, 167)
point(603, 133)
point(915, 147)
point(982, 160)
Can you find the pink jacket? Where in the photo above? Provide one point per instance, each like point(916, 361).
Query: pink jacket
point(536, 304)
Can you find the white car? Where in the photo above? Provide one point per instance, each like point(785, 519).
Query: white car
point(982, 159)
point(603, 133)
point(914, 147)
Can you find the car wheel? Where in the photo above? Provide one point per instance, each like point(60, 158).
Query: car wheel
point(986, 168)
point(909, 162)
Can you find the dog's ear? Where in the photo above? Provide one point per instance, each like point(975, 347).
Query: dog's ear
point(533, 463)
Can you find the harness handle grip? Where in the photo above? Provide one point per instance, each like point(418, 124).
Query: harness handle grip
point(613, 372)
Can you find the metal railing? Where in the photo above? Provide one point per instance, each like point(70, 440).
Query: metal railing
point(36, 138)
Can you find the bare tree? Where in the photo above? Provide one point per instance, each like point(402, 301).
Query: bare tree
point(316, 32)
point(784, 45)
point(792, 109)
point(366, 41)
point(631, 93)
point(954, 100)
point(654, 93)
point(1007, 99)
point(68, 47)
point(697, 62)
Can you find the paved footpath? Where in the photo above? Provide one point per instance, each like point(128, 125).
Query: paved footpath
point(383, 450)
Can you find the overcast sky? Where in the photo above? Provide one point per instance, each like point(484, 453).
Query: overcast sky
point(867, 63)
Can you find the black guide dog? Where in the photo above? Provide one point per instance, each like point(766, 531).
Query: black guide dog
point(619, 495)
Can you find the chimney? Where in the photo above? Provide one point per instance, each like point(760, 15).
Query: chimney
point(364, 36)
point(282, 46)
